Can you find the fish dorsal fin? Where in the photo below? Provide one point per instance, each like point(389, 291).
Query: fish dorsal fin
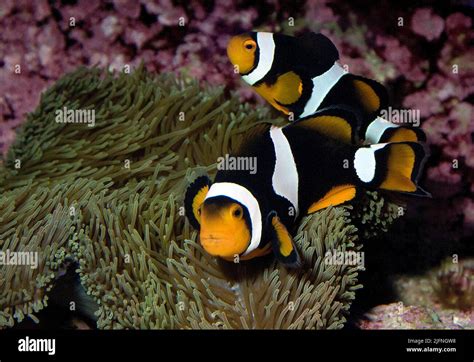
point(194, 198)
point(320, 48)
point(403, 134)
point(371, 94)
point(336, 123)
point(252, 135)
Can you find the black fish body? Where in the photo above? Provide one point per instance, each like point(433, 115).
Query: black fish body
point(301, 75)
point(299, 171)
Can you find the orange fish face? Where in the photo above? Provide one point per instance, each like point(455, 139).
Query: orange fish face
point(241, 52)
point(225, 231)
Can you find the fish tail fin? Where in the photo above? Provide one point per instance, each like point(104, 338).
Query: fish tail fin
point(392, 166)
point(383, 131)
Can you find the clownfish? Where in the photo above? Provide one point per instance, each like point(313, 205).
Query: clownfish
point(301, 75)
point(299, 171)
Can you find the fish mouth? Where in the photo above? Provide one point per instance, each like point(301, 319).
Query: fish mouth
point(211, 240)
point(217, 245)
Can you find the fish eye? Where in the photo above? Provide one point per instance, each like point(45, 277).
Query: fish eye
point(249, 44)
point(237, 212)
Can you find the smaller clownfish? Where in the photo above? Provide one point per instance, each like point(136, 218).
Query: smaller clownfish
point(301, 75)
point(299, 171)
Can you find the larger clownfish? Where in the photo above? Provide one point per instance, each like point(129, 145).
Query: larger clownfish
point(299, 171)
point(301, 75)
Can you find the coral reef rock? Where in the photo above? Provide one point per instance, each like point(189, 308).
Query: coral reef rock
point(442, 298)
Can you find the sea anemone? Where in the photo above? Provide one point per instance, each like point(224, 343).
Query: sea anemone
point(108, 201)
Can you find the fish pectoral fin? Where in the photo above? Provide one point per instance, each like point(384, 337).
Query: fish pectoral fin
point(282, 243)
point(336, 196)
point(194, 198)
point(336, 123)
point(286, 90)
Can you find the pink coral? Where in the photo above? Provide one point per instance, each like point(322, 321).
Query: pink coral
point(427, 24)
point(457, 23)
point(128, 8)
point(406, 63)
